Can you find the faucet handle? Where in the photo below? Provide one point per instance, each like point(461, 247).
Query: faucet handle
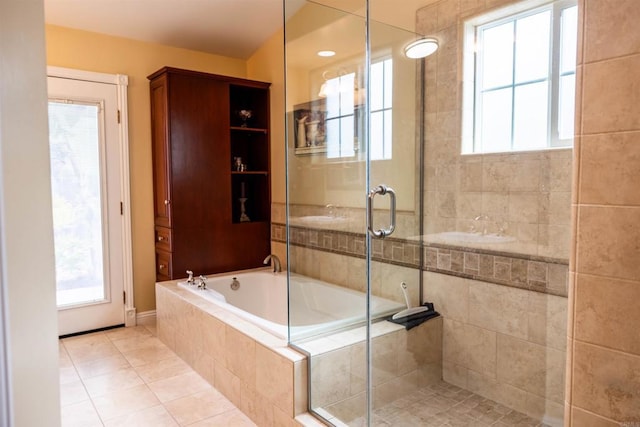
point(190, 278)
point(202, 284)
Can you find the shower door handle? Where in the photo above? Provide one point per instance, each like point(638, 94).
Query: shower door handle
point(382, 190)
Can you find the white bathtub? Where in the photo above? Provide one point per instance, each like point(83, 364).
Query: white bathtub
point(316, 307)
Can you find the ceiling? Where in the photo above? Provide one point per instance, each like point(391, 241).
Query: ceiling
point(233, 28)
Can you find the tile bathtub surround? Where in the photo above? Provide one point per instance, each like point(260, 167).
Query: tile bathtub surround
point(544, 275)
point(255, 370)
point(127, 377)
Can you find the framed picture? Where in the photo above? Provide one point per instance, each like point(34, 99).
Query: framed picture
point(309, 127)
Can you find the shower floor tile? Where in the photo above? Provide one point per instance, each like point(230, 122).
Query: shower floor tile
point(446, 405)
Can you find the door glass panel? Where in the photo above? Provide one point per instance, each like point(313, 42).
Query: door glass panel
point(74, 141)
point(343, 284)
point(326, 175)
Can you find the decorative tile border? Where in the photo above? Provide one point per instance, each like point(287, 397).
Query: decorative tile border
point(539, 274)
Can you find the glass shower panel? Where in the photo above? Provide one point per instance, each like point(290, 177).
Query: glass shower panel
point(326, 188)
point(353, 125)
point(402, 359)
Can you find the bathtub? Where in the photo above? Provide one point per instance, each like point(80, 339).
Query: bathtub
point(316, 307)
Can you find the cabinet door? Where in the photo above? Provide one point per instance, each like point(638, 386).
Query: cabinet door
point(200, 171)
point(161, 153)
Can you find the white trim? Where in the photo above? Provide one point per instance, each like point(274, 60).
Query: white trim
point(121, 82)
point(146, 317)
point(5, 386)
point(88, 76)
point(472, 73)
point(125, 191)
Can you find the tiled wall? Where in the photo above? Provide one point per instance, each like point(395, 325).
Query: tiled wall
point(603, 384)
point(309, 245)
point(503, 343)
point(525, 194)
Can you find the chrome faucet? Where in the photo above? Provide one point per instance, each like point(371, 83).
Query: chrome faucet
point(484, 218)
point(277, 268)
point(202, 282)
point(190, 280)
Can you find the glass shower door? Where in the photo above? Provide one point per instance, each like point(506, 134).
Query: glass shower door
point(353, 211)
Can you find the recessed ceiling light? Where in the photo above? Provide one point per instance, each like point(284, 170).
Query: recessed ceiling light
point(326, 53)
point(421, 48)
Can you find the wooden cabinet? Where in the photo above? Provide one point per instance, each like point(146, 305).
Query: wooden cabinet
point(200, 186)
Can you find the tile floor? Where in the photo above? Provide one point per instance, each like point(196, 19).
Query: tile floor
point(446, 405)
point(127, 377)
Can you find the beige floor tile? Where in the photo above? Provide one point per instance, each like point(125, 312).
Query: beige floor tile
point(137, 342)
point(72, 392)
point(114, 381)
point(152, 329)
point(81, 414)
point(179, 386)
point(144, 356)
point(68, 374)
point(84, 340)
point(233, 418)
point(94, 368)
point(98, 349)
point(121, 403)
point(162, 369)
point(156, 416)
point(124, 333)
point(64, 359)
point(199, 406)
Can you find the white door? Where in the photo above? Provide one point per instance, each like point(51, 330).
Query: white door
point(87, 200)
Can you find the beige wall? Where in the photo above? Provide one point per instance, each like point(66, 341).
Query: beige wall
point(101, 53)
point(267, 64)
point(29, 394)
point(603, 386)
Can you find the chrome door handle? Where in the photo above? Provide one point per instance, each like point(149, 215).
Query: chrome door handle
point(382, 190)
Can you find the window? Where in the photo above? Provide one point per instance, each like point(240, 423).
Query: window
point(343, 101)
point(340, 123)
point(523, 74)
point(380, 120)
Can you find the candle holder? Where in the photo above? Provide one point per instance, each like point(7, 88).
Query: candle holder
point(243, 212)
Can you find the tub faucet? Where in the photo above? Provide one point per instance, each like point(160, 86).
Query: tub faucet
point(190, 280)
point(202, 282)
point(484, 225)
point(276, 262)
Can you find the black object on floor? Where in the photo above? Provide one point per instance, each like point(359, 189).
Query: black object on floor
point(416, 319)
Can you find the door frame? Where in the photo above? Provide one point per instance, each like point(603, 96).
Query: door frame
point(121, 83)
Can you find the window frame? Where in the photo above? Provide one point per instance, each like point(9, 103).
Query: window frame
point(472, 66)
point(358, 110)
point(341, 118)
point(384, 109)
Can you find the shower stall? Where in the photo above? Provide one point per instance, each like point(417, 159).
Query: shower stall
point(441, 176)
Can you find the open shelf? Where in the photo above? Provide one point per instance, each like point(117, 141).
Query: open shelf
point(255, 189)
point(248, 129)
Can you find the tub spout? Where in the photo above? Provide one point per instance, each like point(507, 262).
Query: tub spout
point(276, 262)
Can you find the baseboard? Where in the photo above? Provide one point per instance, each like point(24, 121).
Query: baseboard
point(130, 317)
point(146, 318)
